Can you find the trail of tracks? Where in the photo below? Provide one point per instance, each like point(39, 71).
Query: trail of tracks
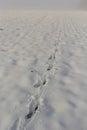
point(34, 101)
point(51, 39)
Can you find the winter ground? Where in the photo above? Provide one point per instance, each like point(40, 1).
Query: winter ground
point(43, 71)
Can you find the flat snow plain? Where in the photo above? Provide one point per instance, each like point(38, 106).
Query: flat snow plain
point(43, 71)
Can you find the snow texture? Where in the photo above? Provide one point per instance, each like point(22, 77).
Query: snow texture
point(43, 65)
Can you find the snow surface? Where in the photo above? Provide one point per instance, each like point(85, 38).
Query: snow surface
point(43, 71)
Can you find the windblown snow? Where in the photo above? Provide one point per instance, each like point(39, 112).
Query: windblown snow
point(43, 71)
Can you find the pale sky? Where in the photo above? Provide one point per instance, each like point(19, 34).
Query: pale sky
point(43, 4)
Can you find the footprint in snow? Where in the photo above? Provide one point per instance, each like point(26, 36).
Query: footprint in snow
point(50, 62)
point(44, 81)
point(40, 83)
point(49, 67)
point(30, 114)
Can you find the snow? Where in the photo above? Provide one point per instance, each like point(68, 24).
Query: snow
point(43, 65)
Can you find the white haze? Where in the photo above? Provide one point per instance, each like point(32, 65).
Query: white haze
point(43, 4)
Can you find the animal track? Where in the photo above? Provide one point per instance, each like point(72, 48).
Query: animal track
point(44, 81)
point(41, 80)
point(51, 60)
point(49, 67)
point(38, 84)
point(52, 57)
point(28, 116)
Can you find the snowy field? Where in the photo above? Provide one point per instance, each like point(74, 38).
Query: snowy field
point(43, 71)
